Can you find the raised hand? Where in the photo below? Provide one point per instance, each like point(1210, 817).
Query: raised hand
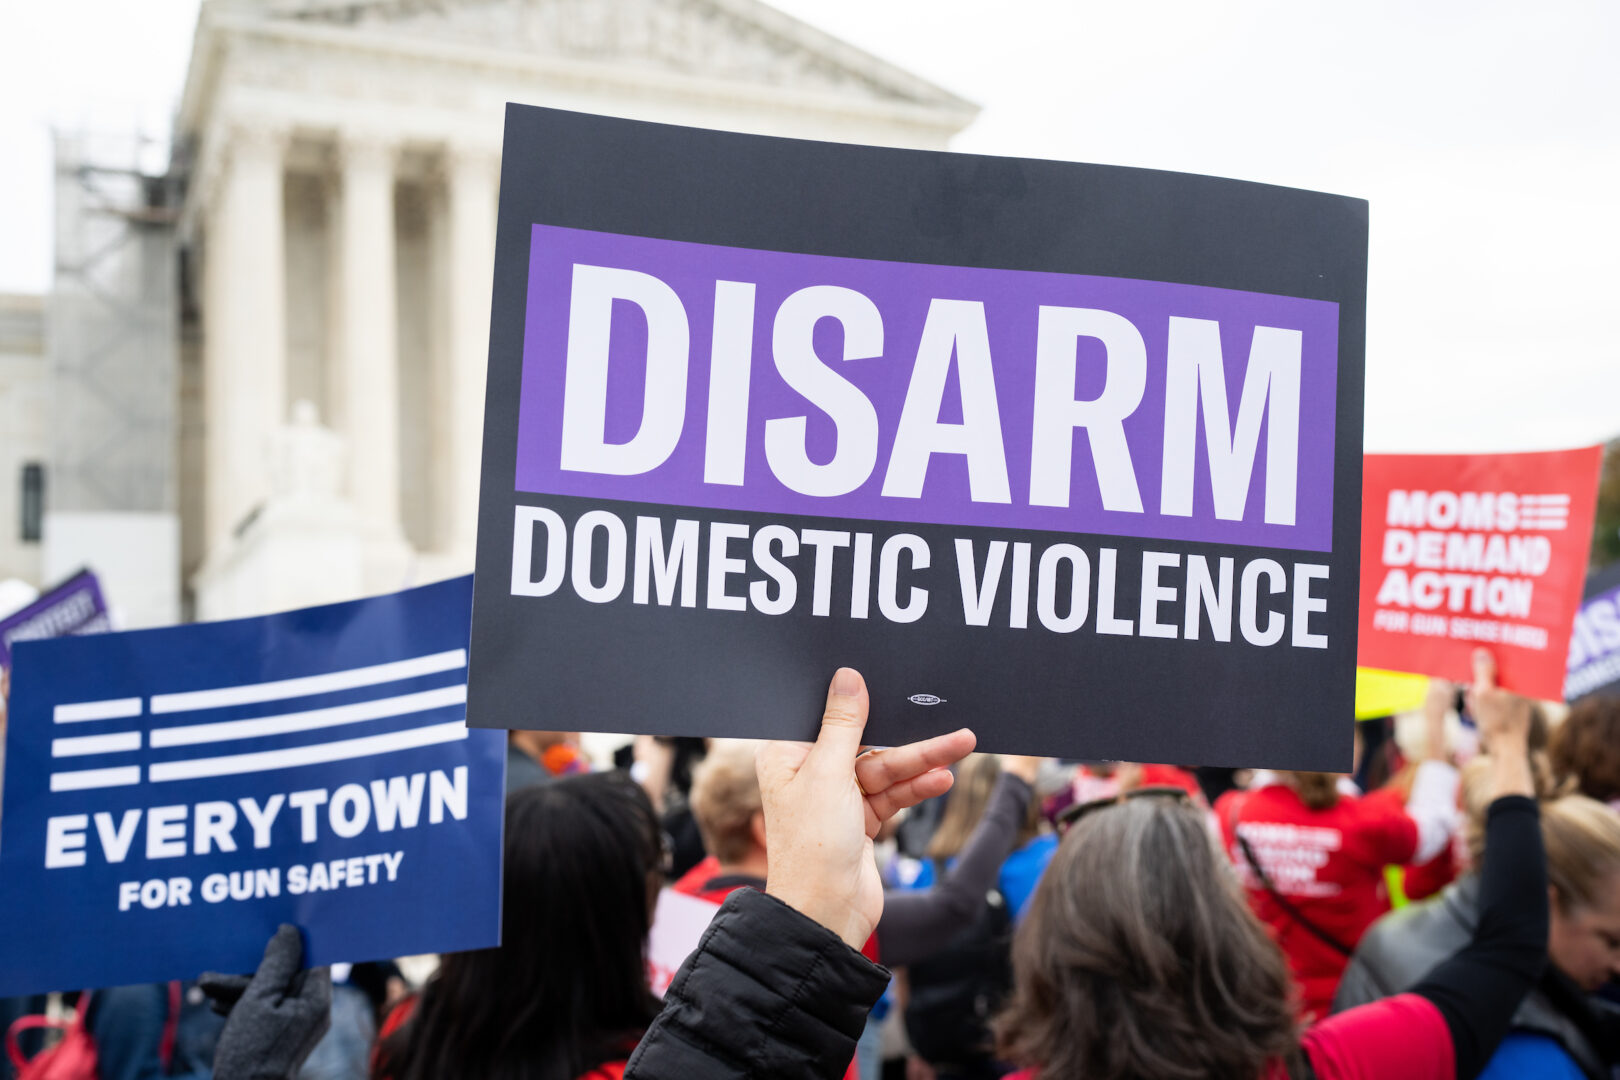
point(1504, 728)
point(820, 819)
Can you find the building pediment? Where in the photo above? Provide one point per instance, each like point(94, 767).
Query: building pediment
point(734, 40)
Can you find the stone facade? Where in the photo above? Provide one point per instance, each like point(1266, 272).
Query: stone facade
point(24, 428)
point(341, 214)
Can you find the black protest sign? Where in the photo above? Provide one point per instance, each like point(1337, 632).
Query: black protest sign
point(1070, 454)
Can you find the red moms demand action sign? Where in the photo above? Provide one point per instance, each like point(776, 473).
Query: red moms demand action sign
point(1464, 550)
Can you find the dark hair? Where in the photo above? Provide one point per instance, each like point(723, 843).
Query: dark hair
point(1587, 747)
point(566, 990)
point(1138, 958)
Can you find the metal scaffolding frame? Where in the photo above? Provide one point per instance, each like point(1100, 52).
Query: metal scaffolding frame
point(113, 330)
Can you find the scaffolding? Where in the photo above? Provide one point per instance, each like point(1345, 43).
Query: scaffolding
point(112, 330)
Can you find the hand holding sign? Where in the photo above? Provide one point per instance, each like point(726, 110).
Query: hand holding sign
point(1504, 720)
point(1047, 438)
point(821, 820)
point(275, 1017)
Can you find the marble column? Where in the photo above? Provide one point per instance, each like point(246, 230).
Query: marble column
point(369, 354)
point(472, 171)
point(245, 325)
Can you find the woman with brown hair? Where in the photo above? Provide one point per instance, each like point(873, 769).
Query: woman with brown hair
point(1139, 958)
point(1587, 748)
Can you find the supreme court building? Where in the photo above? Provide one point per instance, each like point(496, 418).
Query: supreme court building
point(337, 227)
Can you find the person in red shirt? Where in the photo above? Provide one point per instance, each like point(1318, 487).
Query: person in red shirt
point(1138, 958)
point(1311, 858)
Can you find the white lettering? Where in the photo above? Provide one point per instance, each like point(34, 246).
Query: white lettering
point(523, 551)
point(663, 410)
point(953, 326)
point(1057, 414)
point(888, 575)
point(856, 421)
point(731, 356)
point(1196, 375)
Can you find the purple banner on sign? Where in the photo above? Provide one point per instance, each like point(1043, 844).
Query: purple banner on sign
point(73, 607)
point(970, 396)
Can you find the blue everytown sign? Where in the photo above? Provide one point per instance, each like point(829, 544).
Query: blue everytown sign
point(172, 795)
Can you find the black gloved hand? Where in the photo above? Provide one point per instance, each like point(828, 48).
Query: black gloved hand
point(275, 1018)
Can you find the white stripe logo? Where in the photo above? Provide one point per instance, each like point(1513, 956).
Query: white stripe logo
point(82, 745)
point(265, 760)
point(83, 711)
point(1545, 513)
point(403, 705)
point(224, 730)
point(281, 689)
point(122, 776)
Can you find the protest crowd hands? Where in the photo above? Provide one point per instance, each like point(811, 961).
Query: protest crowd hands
point(1505, 720)
point(1503, 716)
point(275, 1016)
point(821, 819)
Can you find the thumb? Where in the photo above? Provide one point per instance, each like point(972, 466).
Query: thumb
point(1484, 670)
point(843, 721)
point(283, 958)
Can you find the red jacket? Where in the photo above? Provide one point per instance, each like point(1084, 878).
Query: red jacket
point(1425, 879)
point(1399, 1038)
point(1329, 864)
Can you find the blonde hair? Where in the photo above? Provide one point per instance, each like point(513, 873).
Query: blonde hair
point(1475, 793)
point(725, 797)
point(970, 795)
point(1582, 838)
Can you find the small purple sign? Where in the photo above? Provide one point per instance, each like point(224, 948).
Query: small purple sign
point(1594, 647)
point(73, 607)
point(668, 372)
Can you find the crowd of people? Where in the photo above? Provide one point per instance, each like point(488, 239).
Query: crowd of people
point(931, 913)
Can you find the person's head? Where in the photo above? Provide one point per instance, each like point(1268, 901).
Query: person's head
point(1475, 793)
point(1582, 837)
point(567, 988)
point(726, 803)
point(1317, 790)
point(1139, 957)
point(536, 743)
point(1587, 747)
point(969, 797)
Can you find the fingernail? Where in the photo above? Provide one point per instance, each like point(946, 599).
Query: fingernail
point(846, 683)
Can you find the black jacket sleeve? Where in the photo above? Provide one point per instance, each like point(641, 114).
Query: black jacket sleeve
point(1479, 989)
point(916, 923)
point(768, 993)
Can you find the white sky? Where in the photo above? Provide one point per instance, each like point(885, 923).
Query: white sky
point(1486, 135)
